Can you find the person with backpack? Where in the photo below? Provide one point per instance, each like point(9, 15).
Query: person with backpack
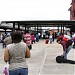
point(66, 44)
point(66, 48)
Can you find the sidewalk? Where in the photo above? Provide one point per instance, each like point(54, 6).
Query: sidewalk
point(42, 60)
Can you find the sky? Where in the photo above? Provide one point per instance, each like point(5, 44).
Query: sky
point(21, 10)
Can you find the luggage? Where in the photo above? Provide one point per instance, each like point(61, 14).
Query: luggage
point(46, 42)
point(60, 59)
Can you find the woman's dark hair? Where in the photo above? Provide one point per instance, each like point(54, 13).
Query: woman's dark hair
point(16, 36)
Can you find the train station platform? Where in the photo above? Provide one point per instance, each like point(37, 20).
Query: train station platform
point(43, 60)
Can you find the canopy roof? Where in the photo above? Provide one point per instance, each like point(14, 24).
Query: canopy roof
point(40, 23)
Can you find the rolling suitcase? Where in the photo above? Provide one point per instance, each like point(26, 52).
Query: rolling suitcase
point(46, 42)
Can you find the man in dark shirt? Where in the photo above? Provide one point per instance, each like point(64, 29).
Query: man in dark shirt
point(66, 48)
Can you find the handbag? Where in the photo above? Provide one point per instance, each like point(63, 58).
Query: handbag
point(6, 69)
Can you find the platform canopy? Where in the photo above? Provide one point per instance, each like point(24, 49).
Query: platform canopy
point(43, 23)
point(23, 25)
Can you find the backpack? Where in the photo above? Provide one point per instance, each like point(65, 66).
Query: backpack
point(65, 39)
point(69, 41)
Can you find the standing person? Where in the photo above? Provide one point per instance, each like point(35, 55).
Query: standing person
point(2, 41)
point(51, 36)
point(32, 38)
point(27, 39)
point(74, 40)
point(8, 39)
point(37, 37)
point(16, 53)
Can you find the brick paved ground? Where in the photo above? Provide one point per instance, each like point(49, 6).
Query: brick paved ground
point(42, 60)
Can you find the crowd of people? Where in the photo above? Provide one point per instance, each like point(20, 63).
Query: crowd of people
point(18, 45)
point(17, 48)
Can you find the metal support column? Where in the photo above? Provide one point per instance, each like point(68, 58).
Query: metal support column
point(71, 30)
point(5, 30)
point(61, 28)
point(37, 27)
point(13, 27)
point(25, 29)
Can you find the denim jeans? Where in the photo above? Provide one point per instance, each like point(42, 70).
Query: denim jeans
point(67, 51)
point(3, 45)
point(51, 40)
point(22, 71)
